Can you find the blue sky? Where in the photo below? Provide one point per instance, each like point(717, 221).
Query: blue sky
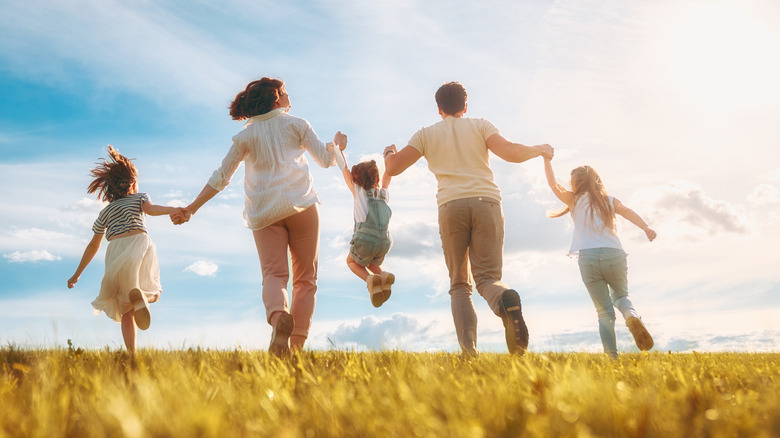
point(674, 103)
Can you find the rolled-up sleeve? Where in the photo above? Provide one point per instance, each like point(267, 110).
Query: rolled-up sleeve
point(221, 177)
point(324, 155)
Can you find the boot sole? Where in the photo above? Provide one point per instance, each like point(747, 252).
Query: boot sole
point(280, 338)
point(514, 326)
point(641, 336)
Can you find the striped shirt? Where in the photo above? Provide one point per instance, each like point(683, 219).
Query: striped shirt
point(123, 215)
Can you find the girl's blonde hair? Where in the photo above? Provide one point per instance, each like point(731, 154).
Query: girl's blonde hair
point(584, 179)
point(114, 178)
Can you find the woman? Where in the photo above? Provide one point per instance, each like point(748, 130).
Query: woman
point(280, 203)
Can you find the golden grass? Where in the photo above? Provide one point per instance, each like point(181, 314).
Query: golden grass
point(193, 393)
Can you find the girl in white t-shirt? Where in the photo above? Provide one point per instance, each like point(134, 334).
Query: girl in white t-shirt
point(601, 257)
point(132, 275)
point(371, 239)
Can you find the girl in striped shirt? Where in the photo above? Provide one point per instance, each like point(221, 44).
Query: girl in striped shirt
point(132, 276)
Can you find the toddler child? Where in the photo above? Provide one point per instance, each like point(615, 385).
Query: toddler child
point(371, 239)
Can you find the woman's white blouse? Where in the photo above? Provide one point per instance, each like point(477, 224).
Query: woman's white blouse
point(277, 182)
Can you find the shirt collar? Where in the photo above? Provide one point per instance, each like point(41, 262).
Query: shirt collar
point(269, 115)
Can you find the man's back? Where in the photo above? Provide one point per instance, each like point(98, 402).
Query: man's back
point(458, 156)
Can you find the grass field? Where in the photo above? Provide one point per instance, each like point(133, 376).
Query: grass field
point(193, 393)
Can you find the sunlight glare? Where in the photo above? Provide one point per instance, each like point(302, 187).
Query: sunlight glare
point(723, 55)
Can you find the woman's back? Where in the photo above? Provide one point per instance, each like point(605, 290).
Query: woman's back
point(277, 182)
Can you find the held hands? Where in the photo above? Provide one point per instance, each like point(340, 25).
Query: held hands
point(180, 215)
point(651, 234)
point(546, 151)
point(389, 151)
point(341, 140)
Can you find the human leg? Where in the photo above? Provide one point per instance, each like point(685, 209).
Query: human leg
point(591, 272)
point(616, 274)
point(357, 268)
point(486, 260)
point(128, 330)
point(486, 250)
point(141, 312)
point(304, 232)
point(455, 230)
point(271, 245)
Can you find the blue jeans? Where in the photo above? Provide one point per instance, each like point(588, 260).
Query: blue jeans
point(605, 274)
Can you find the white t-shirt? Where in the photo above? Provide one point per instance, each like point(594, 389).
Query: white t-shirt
point(590, 232)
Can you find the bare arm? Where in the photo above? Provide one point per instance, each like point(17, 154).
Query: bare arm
point(347, 174)
point(396, 162)
point(89, 254)
point(566, 196)
point(205, 195)
point(516, 152)
point(634, 219)
point(386, 180)
point(157, 210)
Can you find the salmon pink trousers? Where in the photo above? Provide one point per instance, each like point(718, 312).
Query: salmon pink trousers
point(301, 234)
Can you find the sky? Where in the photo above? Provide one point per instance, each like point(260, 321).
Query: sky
point(674, 103)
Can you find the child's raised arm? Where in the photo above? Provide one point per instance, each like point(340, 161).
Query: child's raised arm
point(566, 196)
point(386, 180)
point(89, 254)
point(634, 219)
point(342, 162)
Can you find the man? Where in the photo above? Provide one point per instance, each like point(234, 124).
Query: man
point(471, 220)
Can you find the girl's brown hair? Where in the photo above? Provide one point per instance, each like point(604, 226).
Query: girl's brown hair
point(114, 178)
point(366, 174)
point(584, 179)
point(257, 98)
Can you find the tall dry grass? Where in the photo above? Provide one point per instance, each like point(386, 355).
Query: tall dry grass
point(194, 393)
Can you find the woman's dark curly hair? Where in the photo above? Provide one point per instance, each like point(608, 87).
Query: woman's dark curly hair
point(257, 98)
point(365, 174)
point(114, 178)
point(451, 98)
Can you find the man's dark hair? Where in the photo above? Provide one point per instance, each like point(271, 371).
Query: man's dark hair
point(451, 98)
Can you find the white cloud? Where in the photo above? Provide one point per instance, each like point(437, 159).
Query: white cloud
point(38, 234)
point(27, 240)
point(88, 205)
point(203, 268)
point(401, 331)
point(764, 194)
point(683, 210)
point(31, 256)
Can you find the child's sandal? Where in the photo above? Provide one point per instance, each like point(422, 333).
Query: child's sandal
point(374, 284)
point(387, 281)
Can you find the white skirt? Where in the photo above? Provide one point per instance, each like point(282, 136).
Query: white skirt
point(131, 262)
